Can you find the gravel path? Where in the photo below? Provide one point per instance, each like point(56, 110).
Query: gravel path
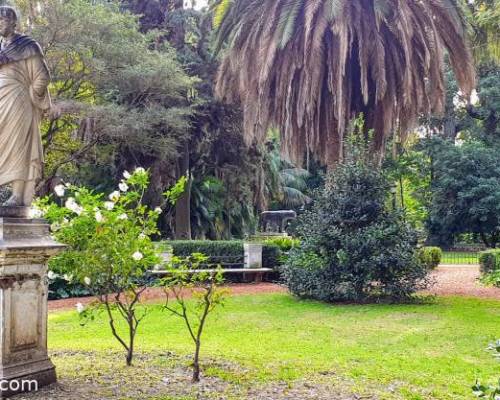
point(461, 280)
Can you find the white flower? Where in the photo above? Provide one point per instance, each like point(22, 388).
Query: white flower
point(142, 236)
point(99, 217)
point(87, 280)
point(55, 227)
point(139, 170)
point(158, 210)
point(474, 98)
point(109, 205)
point(68, 278)
point(458, 101)
point(51, 275)
point(123, 186)
point(59, 190)
point(114, 196)
point(123, 216)
point(73, 206)
point(137, 256)
point(80, 308)
point(126, 175)
point(35, 212)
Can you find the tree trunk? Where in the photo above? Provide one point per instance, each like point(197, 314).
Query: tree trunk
point(484, 239)
point(130, 351)
point(183, 205)
point(196, 363)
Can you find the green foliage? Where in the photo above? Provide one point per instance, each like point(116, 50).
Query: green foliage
point(489, 392)
point(104, 236)
point(285, 243)
point(409, 170)
point(203, 287)
point(122, 97)
point(231, 251)
point(489, 261)
point(109, 247)
point(271, 255)
point(212, 249)
point(430, 257)
point(175, 192)
point(353, 247)
point(64, 286)
point(286, 185)
point(484, 16)
point(220, 11)
point(466, 190)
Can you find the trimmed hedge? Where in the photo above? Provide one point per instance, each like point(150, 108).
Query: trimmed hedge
point(219, 248)
point(489, 260)
point(430, 257)
point(225, 251)
point(271, 255)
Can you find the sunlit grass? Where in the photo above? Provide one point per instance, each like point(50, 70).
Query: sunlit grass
point(428, 351)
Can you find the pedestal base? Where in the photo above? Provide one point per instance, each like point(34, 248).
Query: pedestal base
point(31, 382)
point(25, 248)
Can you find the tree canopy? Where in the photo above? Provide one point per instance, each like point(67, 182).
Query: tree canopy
point(309, 66)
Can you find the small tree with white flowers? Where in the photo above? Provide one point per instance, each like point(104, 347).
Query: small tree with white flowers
point(109, 248)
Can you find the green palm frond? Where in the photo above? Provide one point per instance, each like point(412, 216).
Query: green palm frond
point(295, 178)
point(287, 21)
point(293, 198)
point(220, 11)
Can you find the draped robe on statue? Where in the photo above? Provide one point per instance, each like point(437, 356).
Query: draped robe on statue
point(24, 78)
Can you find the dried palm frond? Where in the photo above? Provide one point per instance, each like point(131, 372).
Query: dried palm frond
point(309, 66)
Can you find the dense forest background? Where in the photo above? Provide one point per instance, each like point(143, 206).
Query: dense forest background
point(133, 86)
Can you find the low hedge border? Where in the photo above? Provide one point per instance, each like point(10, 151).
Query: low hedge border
point(489, 260)
point(430, 257)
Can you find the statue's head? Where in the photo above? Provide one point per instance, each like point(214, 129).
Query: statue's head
point(8, 20)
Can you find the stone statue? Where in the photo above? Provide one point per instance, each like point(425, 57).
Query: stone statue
point(24, 78)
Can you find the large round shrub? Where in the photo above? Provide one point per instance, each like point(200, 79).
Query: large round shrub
point(353, 246)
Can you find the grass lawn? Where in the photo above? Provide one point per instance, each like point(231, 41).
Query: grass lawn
point(460, 258)
point(429, 351)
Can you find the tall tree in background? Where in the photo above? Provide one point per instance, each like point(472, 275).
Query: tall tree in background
point(123, 102)
point(309, 66)
point(484, 18)
point(218, 202)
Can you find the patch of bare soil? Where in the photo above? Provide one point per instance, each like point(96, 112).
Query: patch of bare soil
point(166, 377)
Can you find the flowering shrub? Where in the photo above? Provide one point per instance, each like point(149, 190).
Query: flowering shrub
point(109, 246)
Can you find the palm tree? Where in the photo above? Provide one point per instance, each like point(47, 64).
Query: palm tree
point(310, 66)
point(286, 185)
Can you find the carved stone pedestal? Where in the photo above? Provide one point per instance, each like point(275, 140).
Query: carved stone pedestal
point(25, 248)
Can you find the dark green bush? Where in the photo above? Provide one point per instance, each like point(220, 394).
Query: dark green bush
point(353, 246)
point(489, 261)
point(430, 257)
point(60, 288)
point(271, 255)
